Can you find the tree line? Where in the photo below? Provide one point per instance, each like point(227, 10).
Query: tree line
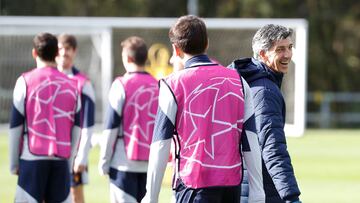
point(334, 37)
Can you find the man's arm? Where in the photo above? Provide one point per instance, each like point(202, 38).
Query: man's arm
point(112, 125)
point(161, 144)
point(87, 126)
point(270, 120)
point(17, 121)
point(251, 150)
point(75, 134)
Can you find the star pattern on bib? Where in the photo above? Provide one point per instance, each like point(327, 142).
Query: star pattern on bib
point(142, 102)
point(48, 94)
point(200, 113)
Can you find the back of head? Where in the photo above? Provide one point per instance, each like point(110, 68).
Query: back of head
point(189, 34)
point(46, 46)
point(266, 36)
point(68, 40)
point(135, 48)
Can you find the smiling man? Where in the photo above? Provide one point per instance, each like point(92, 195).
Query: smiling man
point(272, 49)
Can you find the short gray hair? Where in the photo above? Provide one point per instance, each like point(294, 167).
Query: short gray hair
point(266, 36)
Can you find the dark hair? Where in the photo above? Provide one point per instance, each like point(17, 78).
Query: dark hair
point(68, 39)
point(46, 46)
point(266, 36)
point(189, 34)
point(136, 48)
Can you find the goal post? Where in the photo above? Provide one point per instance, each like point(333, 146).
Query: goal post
point(94, 55)
point(99, 52)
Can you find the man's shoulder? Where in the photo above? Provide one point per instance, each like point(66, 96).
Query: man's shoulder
point(263, 84)
point(265, 90)
point(174, 76)
point(79, 74)
point(30, 72)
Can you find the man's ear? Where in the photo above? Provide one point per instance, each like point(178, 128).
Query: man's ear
point(33, 53)
point(178, 51)
point(263, 56)
point(130, 59)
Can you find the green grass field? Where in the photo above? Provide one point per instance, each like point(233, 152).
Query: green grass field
point(326, 162)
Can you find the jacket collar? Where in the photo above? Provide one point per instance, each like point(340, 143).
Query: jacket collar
point(199, 60)
point(252, 69)
point(140, 72)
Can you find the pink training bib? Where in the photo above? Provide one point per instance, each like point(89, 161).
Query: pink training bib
point(139, 113)
point(209, 123)
point(50, 109)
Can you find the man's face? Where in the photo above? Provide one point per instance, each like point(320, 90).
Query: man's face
point(279, 55)
point(66, 56)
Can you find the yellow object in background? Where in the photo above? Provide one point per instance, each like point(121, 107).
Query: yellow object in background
point(159, 56)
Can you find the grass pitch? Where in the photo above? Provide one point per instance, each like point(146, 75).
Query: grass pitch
point(326, 163)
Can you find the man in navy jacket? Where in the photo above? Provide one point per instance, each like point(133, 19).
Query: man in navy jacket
point(272, 49)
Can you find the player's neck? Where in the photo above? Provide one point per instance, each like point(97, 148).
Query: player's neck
point(64, 69)
point(134, 68)
point(42, 64)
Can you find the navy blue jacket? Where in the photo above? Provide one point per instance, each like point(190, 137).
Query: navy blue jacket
point(278, 175)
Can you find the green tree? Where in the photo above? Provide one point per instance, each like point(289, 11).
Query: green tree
point(334, 51)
